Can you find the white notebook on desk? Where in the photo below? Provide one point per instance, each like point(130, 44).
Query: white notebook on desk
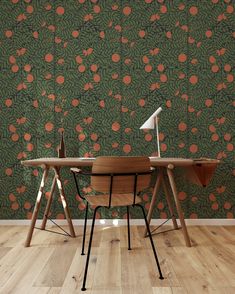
point(87, 158)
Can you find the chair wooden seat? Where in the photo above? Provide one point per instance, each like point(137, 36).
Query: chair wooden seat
point(117, 200)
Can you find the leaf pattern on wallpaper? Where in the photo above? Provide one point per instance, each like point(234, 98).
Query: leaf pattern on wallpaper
point(98, 69)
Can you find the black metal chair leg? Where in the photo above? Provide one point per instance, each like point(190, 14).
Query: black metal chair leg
point(89, 250)
point(84, 230)
point(151, 240)
point(128, 228)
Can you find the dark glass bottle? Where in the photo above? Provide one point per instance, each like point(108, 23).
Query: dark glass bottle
point(61, 151)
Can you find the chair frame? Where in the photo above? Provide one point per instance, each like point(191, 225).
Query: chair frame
point(112, 175)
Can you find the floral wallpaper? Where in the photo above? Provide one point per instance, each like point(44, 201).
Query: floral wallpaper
point(97, 69)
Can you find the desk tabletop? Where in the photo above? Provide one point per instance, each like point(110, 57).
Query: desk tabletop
point(54, 161)
point(81, 161)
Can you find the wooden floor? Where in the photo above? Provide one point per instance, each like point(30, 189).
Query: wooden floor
point(53, 263)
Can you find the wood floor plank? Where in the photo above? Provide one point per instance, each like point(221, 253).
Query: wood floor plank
point(73, 279)
point(221, 262)
point(199, 272)
point(170, 277)
point(54, 290)
point(162, 246)
point(105, 290)
point(28, 290)
point(54, 265)
point(54, 272)
point(169, 290)
point(44, 238)
point(231, 230)
point(13, 261)
point(162, 290)
point(183, 266)
point(136, 241)
point(109, 263)
point(133, 269)
point(28, 270)
point(198, 237)
point(12, 236)
point(167, 236)
point(218, 235)
point(227, 290)
point(4, 251)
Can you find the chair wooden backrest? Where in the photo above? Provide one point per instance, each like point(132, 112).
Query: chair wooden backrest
point(121, 183)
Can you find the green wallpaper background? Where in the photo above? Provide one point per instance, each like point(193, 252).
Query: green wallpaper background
point(98, 69)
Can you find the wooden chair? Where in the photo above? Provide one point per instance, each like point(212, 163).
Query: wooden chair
point(119, 179)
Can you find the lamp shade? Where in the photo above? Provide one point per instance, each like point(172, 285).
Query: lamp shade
point(150, 122)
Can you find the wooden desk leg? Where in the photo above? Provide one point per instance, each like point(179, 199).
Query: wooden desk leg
point(168, 199)
point(48, 207)
point(36, 207)
point(178, 206)
point(64, 201)
point(152, 204)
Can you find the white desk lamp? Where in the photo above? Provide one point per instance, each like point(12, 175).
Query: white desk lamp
point(151, 123)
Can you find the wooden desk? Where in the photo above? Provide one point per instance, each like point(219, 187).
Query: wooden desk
point(56, 164)
point(198, 171)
